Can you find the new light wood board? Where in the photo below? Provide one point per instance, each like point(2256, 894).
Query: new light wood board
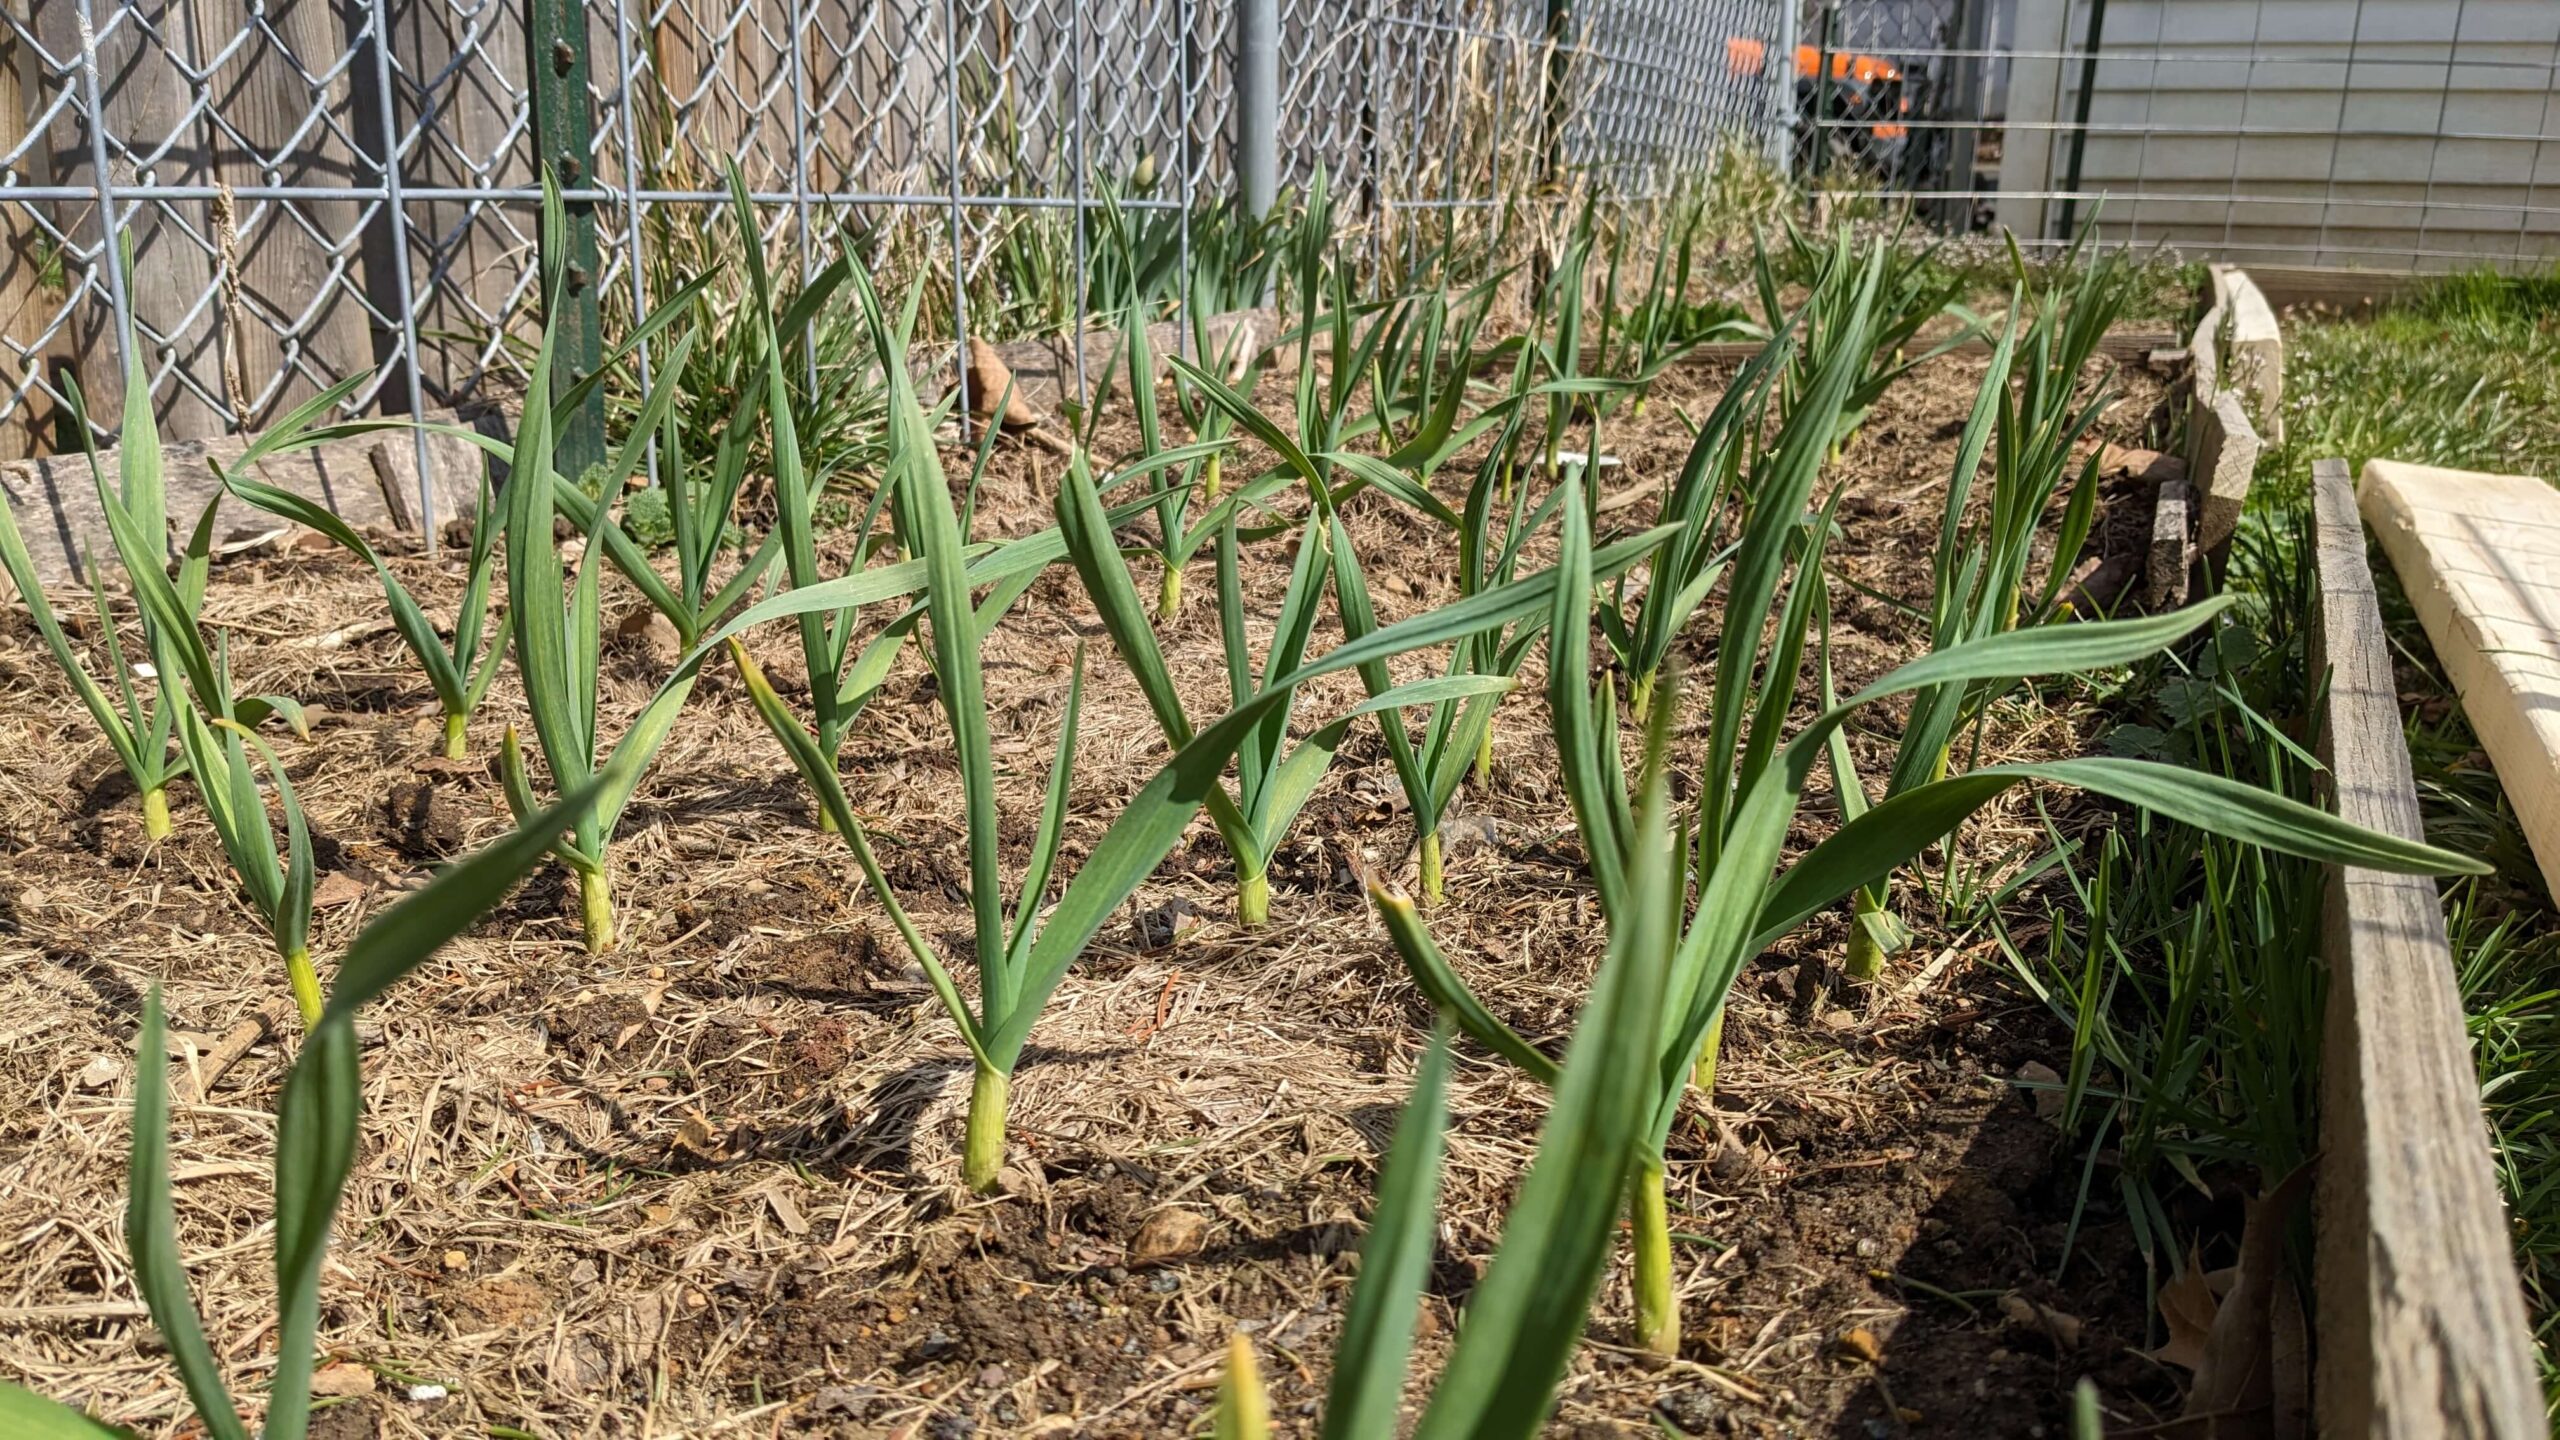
point(2479, 556)
point(2420, 1320)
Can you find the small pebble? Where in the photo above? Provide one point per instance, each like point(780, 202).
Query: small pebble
point(991, 1377)
point(456, 1260)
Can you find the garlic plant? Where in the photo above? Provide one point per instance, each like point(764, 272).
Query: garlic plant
point(1525, 1319)
point(459, 669)
point(224, 754)
point(556, 621)
point(1754, 782)
point(139, 718)
point(215, 728)
point(1908, 291)
point(1979, 571)
point(1459, 730)
point(317, 1124)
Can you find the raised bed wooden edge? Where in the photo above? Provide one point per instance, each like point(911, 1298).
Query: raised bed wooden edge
point(2419, 1319)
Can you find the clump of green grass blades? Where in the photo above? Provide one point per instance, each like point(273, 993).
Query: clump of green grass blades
point(316, 1137)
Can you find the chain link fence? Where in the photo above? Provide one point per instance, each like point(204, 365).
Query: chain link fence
point(321, 189)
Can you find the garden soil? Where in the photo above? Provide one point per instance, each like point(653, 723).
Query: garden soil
point(708, 1184)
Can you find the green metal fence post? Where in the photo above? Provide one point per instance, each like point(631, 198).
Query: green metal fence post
point(564, 144)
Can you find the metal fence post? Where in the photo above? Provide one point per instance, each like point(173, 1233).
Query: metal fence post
point(1820, 161)
point(396, 204)
point(2067, 228)
point(128, 337)
point(1257, 156)
point(1781, 68)
point(564, 142)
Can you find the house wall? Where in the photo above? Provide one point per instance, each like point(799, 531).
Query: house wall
point(2391, 134)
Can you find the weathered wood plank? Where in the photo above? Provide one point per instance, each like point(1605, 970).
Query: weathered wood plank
point(2165, 567)
point(144, 90)
point(466, 256)
point(2421, 1320)
point(30, 297)
point(289, 271)
point(2222, 459)
point(2253, 350)
point(55, 500)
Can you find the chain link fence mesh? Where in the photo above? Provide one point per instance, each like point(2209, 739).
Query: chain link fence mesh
point(320, 189)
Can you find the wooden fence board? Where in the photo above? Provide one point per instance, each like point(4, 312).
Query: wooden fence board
point(144, 94)
point(2421, 1320)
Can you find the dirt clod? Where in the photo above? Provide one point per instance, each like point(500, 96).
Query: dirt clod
point(1168, 1234)
point(427, 821)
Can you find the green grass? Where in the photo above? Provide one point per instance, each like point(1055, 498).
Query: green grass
point(2182, 962)
point(2466, 374)
point(2185, 965)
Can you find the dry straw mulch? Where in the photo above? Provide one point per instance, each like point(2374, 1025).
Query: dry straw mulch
point(707, 1185)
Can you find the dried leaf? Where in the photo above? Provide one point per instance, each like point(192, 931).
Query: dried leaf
point(335, 889)
point(2187, 1307)
point(785, 1211)
point(2291, 1351)
point(2235, 1380)
point(696, 1135)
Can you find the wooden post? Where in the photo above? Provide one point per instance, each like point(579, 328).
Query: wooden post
point(564, 144)
point(2421, 1321)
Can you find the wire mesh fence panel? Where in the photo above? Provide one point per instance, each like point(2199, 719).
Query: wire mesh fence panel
point(2385, 134)
point(318, 190)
